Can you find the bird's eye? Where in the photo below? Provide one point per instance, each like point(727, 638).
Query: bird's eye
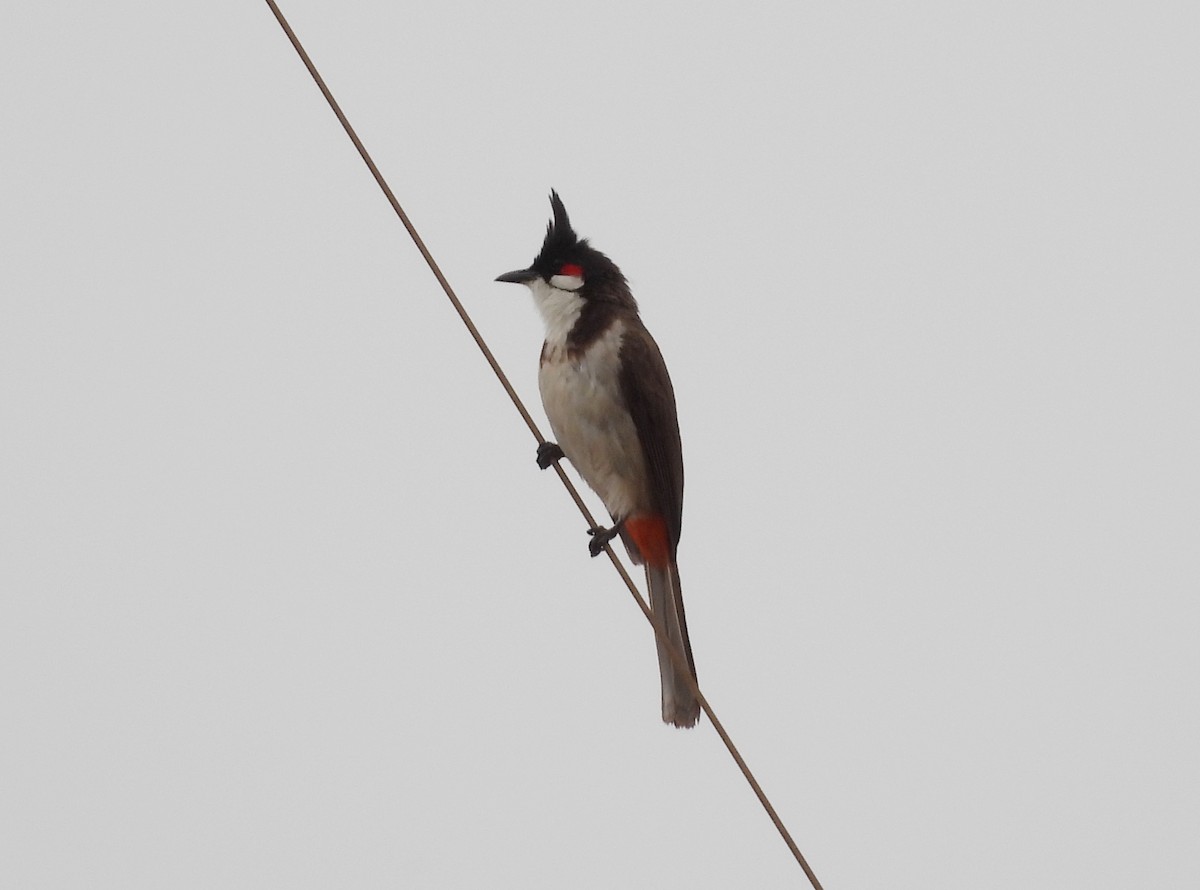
point(569, 277)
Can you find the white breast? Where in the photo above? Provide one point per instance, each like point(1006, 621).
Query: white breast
point(583, 401)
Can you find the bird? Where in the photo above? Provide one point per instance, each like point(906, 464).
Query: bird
point(611, 407)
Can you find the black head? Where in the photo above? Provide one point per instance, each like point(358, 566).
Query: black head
point(568, 262)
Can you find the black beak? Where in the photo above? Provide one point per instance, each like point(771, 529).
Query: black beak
point(521, 276)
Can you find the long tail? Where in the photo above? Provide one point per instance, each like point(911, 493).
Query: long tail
point(679, 705)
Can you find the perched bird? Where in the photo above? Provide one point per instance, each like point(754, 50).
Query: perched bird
point(611, 407)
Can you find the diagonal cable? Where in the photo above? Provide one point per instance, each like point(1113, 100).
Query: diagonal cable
point(677, 657)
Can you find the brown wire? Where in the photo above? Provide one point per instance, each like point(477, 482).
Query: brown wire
point(676, 657)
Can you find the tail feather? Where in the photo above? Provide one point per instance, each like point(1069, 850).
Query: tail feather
point(679, 704)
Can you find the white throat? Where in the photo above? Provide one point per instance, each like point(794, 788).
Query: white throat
point(559, 310)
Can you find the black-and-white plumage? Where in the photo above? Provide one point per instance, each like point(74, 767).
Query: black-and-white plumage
point(611, 406)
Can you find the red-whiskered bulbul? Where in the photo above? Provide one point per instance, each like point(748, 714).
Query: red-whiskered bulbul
point(611, 407)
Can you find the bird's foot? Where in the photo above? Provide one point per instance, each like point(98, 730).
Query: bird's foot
point(601, 537)
point(548, 453)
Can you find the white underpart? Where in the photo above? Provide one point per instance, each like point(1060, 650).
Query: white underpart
point(583, 401)
point(559, 309)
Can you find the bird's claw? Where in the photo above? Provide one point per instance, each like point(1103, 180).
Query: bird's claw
point(548, 453)
point(600, 539)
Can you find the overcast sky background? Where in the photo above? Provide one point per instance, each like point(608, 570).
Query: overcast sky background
point(284, 601)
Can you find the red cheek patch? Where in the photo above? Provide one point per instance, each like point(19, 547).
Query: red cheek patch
point(649, 533)
point(572, 270)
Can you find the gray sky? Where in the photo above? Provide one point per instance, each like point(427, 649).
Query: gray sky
point(284, 601)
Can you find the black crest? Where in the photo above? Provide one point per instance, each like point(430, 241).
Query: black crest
point(604, 281)
point(560, 237)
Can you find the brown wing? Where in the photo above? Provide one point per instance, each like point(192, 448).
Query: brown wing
point(648, 393)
